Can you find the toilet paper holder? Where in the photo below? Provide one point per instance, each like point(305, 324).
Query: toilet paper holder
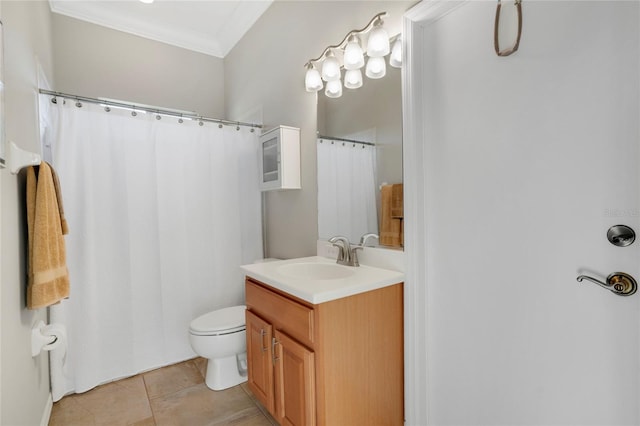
point(43, 338)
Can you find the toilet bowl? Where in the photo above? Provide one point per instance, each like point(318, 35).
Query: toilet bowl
point(220, 337)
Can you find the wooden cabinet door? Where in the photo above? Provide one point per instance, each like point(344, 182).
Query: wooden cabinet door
point(295, 396)
point(259, 360)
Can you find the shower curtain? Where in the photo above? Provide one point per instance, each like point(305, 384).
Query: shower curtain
point(161, 216)
point(346, 189)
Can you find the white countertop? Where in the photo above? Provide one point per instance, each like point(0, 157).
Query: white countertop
point(315, 291)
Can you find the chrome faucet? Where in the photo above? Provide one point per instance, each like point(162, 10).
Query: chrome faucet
point(347, 255)
point(365, 237)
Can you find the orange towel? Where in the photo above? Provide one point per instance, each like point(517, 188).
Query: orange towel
point(48, 277)
point(397, 201)
point(56, 184)
point(391, 228)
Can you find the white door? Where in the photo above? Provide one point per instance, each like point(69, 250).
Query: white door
point(516, 168)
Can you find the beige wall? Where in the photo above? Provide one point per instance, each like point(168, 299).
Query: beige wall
point(96, 61)
point(24, 381)
point(265, 73)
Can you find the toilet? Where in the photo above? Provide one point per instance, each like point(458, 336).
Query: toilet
point(220, 337)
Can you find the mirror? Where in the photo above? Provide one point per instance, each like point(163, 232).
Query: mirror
point(359, 151)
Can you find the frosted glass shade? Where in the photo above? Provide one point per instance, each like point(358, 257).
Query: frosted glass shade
point(330, 68)
point(333, 89)
point(376, 67)
point(395, 59)
point(353, 55)
point(378, 44)
point(353, 79)
point(312, 80)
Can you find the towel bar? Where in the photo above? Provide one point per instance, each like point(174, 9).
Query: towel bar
point(19, 158)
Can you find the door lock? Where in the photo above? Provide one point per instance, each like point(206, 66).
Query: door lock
point(621, 235)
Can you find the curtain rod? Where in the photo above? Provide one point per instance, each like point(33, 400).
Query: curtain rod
point(150, 109)
point(345, 140)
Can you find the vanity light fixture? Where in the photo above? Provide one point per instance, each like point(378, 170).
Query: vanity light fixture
point(147, 1)
point(349, 55)
point(330, 68)
point(378, 44)
point(353, 79)
point(333, 89)
point(376, 67)
point(395, 59)
point(312, 80)
point(353, 54)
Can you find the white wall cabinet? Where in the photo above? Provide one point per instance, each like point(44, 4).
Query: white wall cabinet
point(280, 159)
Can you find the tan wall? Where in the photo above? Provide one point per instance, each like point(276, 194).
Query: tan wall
point(96, 61)
point(24, 381)
point(265, 77)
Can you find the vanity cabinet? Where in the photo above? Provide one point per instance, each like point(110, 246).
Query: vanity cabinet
point(259, 359)
point(335, 363)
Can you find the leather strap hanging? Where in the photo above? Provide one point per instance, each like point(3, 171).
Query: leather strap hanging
point(496, 31)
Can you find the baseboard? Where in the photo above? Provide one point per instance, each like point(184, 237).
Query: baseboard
point(46, 413)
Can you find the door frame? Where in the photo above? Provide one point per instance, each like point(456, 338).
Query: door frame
point(416, 287)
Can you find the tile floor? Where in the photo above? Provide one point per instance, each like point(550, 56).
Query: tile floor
point(175, 395)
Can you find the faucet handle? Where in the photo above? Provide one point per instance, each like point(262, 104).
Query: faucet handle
point(354, 255)
point(340, 252)
point(365, 237)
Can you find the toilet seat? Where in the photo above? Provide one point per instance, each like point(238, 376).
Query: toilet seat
point(220, 322)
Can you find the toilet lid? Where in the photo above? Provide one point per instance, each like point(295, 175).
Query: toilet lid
point(227, 319)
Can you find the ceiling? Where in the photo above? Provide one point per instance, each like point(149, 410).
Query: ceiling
point(212, 27)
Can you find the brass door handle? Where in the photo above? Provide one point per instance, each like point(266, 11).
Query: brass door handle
point(619, 283)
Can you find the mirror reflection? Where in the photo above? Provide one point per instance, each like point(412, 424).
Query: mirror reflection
point(359, 152)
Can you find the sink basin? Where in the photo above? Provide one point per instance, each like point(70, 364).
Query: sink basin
point(316, 271)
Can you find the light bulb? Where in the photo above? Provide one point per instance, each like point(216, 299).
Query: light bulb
point(378, 44)
point(330, 68)
point(353, 55)
point(333, 89)
point(395, 59)
point(353, 79)
point(312, 80)
point(376, 67)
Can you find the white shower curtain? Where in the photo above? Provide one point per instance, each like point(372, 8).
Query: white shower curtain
point(346, 189)
point(161, 216)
